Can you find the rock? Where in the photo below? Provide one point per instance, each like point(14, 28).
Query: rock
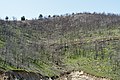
point(79, 75)
point(22, 75)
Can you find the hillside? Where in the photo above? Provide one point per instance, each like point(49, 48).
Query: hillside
point(54, 45)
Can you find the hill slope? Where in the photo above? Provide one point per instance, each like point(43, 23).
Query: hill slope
point(83, 41)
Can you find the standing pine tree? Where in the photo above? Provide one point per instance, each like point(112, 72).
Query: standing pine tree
point(22, 18)
point(6, 18)
point(40, 17)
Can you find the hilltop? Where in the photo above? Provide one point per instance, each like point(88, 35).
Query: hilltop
point(54, 45)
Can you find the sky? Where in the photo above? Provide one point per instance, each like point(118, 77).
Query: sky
point(32, 8)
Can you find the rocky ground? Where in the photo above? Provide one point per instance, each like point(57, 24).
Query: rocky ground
point(73, 75)
point(80, 75)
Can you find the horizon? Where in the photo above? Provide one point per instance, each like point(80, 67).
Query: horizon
point(32, 9)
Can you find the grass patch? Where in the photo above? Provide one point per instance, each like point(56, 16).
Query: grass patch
point(45, 68)
point(99, 68)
